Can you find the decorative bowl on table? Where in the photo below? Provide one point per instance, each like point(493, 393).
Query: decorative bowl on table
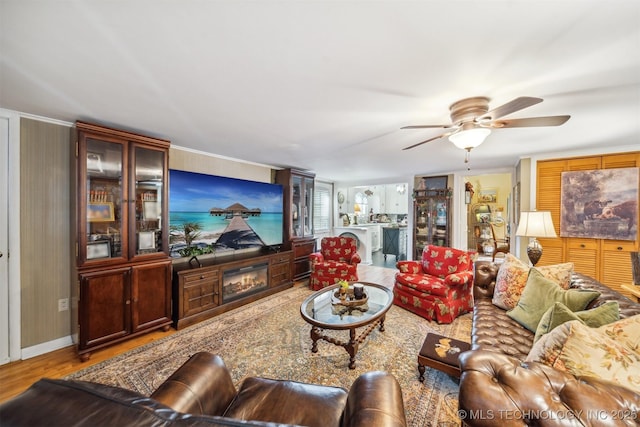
point(348, 298)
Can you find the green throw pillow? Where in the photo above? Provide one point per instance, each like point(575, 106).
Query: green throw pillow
point(559, 313)
point(540, 294)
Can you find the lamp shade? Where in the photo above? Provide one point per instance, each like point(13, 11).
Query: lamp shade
point(536, 224)
point(469, 138)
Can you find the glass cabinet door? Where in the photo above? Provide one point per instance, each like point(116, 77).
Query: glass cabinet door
point(421, 226)
point(308, 206)
point(105, 214)
point(297, 208)
point(440, 216)
point(148, 178)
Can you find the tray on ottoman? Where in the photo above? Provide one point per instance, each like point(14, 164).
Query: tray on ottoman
point(441, 353)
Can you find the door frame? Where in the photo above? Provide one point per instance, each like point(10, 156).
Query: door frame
point(13, 222)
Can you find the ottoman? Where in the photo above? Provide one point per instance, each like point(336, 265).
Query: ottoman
point(441, 353)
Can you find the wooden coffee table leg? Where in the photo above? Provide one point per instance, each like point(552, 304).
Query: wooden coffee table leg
point(315, 336)
point(382, 323)
point(352, 348)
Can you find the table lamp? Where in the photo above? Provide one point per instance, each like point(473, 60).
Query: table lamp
point(535, 224)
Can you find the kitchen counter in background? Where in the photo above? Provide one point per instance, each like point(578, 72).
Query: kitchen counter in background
point(368, 236)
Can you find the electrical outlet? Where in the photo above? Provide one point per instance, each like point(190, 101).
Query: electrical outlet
point(63, 304)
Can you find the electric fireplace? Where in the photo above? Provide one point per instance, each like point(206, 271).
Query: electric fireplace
point(240, 282)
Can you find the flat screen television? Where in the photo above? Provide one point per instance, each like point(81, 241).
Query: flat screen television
point(212, 214)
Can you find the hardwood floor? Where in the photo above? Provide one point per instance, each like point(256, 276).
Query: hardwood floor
point(16, 377)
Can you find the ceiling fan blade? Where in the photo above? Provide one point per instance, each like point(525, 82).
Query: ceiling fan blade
point(530, 122)
point(428, 140)
point(425, 126)
point(510, 107)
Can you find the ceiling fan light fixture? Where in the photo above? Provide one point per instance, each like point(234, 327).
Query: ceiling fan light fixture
point(467, 139)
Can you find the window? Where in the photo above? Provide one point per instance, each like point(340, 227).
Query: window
point(360, 205)
point(322, 207)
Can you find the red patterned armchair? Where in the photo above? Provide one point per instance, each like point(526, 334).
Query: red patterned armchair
point(439, 287)
point(337, 260)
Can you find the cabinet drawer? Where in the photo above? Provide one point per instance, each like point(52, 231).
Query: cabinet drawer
point(619, 246)
point(281, 258)
point(200, 276)
point(301, 249)
point(574, 243)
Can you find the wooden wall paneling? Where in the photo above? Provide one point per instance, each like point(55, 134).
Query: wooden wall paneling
point(606, 260)
point(45, 255)
point(627, 160)
point(583, 253)
point(548, 199)
point(616, 263)
point(584, 163)
point(553, 252)
point(615, 257)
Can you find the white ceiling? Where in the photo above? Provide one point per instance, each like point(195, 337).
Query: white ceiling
point(326, 85)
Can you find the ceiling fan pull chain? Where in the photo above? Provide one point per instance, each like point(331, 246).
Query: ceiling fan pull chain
point(466, 155)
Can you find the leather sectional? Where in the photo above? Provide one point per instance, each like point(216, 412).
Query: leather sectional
point(201, 393)
point(498, 387)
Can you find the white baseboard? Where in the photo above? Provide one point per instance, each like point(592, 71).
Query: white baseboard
point(46, 347)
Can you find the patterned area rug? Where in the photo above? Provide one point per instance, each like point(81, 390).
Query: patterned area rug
point(269, 338)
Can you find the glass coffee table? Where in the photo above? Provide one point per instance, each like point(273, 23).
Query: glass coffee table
point(324, 311)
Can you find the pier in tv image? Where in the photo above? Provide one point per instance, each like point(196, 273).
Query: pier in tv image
point(215, 214)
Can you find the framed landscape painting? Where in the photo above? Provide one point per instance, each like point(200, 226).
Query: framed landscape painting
point(600, 204)
point(100, 212)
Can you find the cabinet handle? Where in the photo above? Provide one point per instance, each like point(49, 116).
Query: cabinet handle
point(128, 302)
point(201, 277)
point(619, 248)
point(582, 245)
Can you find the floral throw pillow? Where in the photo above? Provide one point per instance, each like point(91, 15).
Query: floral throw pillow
point(609, 352)
point(512, 278)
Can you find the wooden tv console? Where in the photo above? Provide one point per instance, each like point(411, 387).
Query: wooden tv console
point(199, 291)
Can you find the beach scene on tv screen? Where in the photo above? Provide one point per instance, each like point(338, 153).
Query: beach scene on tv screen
point(212, 214)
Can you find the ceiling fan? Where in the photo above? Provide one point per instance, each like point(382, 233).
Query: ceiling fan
point(472, 122)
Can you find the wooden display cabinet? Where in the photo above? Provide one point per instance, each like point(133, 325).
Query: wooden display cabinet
point(480, 234)
point(122, 264)
point(298, 189)
point(432, 219)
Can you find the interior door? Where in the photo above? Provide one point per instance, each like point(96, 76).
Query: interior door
point(4, 241)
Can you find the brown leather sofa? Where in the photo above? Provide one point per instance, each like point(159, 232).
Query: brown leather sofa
point(201, 393)
point(498, 388)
